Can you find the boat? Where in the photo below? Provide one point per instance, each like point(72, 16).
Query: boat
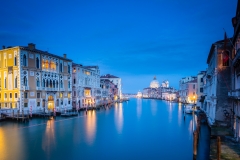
point(189, 109)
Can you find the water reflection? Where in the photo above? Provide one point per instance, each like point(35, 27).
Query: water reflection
point(3, 145)
point(139, 108)
point(118, 111)
point(90, 126)
point(49, 139)
point(153, 107)
point(179, 114)
point(170, 111)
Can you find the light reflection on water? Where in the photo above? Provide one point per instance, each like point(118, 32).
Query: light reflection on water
point(118, 114)
point(139, 108)
point(141, 123)
point(90, 121)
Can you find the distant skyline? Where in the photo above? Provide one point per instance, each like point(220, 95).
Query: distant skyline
point(134, 40)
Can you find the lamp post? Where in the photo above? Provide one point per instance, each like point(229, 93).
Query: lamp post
point(194, 100)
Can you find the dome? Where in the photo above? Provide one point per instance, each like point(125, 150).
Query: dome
point(154, 83)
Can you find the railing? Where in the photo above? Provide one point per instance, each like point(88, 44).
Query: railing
point(234, 93)
point(38, 88)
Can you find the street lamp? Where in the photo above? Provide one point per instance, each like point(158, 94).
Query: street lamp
point(194, 99)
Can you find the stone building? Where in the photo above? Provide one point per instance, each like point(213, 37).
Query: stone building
point(234, 94)
point(200, 85)
point(217, 83)
point(34, 78)
point(188, 89)
point(86, 85)
point(109, 91)
point(115, 80)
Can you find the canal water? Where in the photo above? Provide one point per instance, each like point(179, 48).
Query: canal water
point(137, 129)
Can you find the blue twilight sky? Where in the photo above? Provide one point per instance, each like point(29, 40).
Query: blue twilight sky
point(132, 39)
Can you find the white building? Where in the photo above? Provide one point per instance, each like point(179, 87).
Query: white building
point(188, 89)
point(117, 81)
point(200, 85)
point(86, 85)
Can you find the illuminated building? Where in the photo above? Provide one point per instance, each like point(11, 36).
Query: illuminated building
point(115, 80)
point(188, 89)
point(34, 78)
point(86, 85)
point(109, 90)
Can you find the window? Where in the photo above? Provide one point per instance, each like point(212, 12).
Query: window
point(74, 93)
point(193, 93)
point(38, 104)
point(25, 95)
point(43, 83)
point(201, 90)
point(56, 84)
point(53, 84)
point(46, 83)
point(25, 104)
point(10, 95)
point(68, 68)
point(6, 105)
point(38, 95)
point(16, 95)
point(61, 84)
point(74, 81)
point(25, 81)
point(61, 95)
point(15, 61)
point(225, 59)
point(5, 95)
point(60, 67)
point(201, 79)
point(50, 84)
point(69, 102)
point(69, 84)
point(74, 70)
point(24, 60)
point(87, 92)
point(5, 82)
point(194, 86)
point(69, 95)
point(37, 63)
point(15, 82)
point(38, 82)
point(5, 62)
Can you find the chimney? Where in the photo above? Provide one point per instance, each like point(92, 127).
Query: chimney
point(31, 45)
point(64, 55)
point(3, 47)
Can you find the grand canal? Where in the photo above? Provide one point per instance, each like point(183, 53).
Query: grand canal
point(138, 129)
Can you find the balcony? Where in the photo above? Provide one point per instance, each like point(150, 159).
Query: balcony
point(25, 88)
point(234, 94)
point(39, 88)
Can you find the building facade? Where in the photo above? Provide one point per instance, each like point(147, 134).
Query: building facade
point(188, 89)
point(217, 83)
point(115, 80)
point(31, 78)
point(86, 86)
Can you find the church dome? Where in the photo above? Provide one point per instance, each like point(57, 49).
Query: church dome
point(154, 83)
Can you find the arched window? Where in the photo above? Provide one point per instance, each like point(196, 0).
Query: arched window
point(5, 82)
point(53, 84)
point(74, 81)
point(43, 83)
point(69, 84)
point(61, 84)
point(38, 82)
point(15, 61)
point(225, 58)
point(56, 84)
point(24, 60)
point(37, 63)
point(50, 83)
point(68, 68)
point(46, 83)
point(25, 81)
point(15, 82)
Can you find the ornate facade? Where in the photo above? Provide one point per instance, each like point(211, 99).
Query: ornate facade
point(33, 78)
point(86, 85)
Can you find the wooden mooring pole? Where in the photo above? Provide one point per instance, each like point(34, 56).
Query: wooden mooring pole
point(195, 137)
point(218, 148)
